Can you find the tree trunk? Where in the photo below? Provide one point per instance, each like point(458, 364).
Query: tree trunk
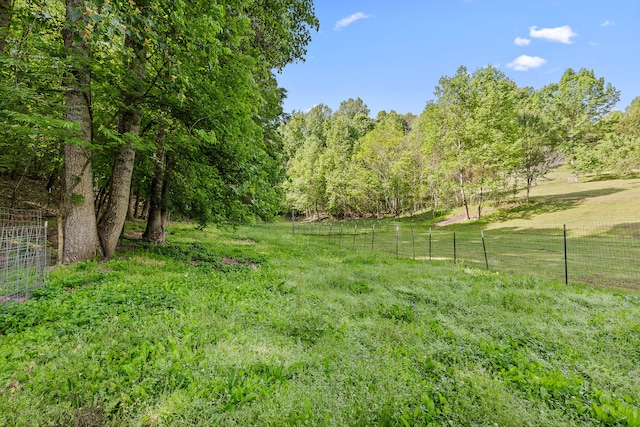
point(137, 203)
point(130, 216)
point(115, 212)
point(112, 221)
point(81, 238)
point(168, 172)
point(464, 197)
point(145, 208)
point(60, 224)
point(6, 8)
point(155, 228)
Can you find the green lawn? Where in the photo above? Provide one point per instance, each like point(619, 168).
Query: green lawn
point(259, 326)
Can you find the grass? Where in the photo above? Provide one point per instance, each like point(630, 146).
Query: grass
point(256, 326)
point(600, 214)
point(595, 199)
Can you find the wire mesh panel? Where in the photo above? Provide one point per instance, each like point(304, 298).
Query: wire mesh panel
point(607, 255)
point(604, 255)
point(538, 252)
point(13, 217)
point(23, 254)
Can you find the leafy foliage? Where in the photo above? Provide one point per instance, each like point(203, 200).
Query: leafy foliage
point(476, 142)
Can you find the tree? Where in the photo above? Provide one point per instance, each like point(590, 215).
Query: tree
point(377, 151)
point(174, 59)
point(619, 149)
point(81, 237)
point(6, 9)
point(535, 154)
point(352, 108)
point(576, 104)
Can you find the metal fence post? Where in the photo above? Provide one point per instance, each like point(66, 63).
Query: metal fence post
point(455, 255)
point(566, 265)
point(397, 240)
point(429, 243)
point(413, 240)
point(484, 249)
point(355, 233)
point(373, 233)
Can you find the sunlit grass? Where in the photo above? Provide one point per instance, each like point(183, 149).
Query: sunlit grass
point(303, 332)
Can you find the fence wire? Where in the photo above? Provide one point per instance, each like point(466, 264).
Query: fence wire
point(596, 254)
point(23, 253)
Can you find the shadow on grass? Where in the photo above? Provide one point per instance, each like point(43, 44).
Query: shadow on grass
point(550, 204)
point(611, 177)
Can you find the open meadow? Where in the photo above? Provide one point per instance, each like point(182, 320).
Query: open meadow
point(258, 326)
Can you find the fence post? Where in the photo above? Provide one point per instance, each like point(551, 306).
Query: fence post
point(397, 239)
point(293, 223)
point(330, 228)
point(455, 255)
point(429, 243)
point(355, 233)
point(566, 265)
point(373, 232)
point(484, 249)
point(340, 237)
point(413, 239)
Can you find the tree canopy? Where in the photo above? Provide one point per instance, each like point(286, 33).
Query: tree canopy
point(479, 140)
point(151, 105)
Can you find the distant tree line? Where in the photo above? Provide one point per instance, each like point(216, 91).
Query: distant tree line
point(481, 139)
point(147, 106)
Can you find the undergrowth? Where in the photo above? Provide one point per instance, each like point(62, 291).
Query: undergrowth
point(255, 326)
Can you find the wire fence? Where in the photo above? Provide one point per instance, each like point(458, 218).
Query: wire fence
point(23, 253)
point(595, 254)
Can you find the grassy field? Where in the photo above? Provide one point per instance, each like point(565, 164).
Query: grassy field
point(601, 215)
point(257, 326)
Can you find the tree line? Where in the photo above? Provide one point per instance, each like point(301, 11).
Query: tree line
point(147, 105)
point(481, 139)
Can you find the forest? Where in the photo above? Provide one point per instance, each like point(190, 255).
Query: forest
point(141, 107)
point(480, 140)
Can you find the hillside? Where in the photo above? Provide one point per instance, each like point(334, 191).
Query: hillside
point(594, 199)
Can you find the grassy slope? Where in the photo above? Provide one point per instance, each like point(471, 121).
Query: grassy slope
point(604, 199)
point(296, 331)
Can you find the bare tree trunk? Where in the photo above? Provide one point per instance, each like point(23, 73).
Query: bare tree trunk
point(81, 238)
point(112, 221)
point(168, 172)
point(61, 209)
point(6, 8)
point(464, 196)
point(145, 209)
point(137, 203)
point(130, 216)
point(155, 228)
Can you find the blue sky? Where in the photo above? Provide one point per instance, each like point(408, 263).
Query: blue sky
point(392, 53)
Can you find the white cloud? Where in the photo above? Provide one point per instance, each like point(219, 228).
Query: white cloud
point(526, 62)
point(350, 20)
point(559, 34)
point(607, 23)
point(522, 41)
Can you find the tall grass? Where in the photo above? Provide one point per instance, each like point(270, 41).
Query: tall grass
point(257, 326)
